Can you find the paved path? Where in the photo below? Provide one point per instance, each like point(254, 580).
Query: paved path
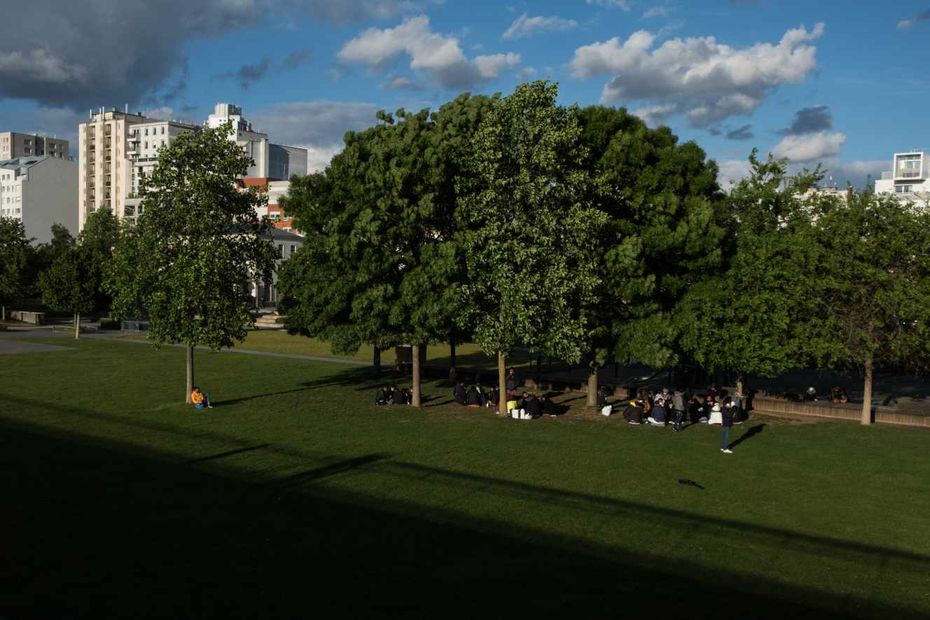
point(11, 346)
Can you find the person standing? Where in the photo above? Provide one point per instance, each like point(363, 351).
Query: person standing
point(726, 422)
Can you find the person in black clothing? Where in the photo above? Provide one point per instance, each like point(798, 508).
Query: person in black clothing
point(458, 393)
point(399, 397)
point(602, 405)
point(473, 397)
point(532, 406)
point(726, 414)
point(493, 397)
point(383, 397)
point(512, 381)
point(634, 412)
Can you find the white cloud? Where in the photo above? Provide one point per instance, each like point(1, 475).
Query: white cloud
point(525, 26)
point(808, 147)
point(699, 77)
point(732, 171)
point(401, 82)
point(838, 173)
point(438, 55)
point(611, 4)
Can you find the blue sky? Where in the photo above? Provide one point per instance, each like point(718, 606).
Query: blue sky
point(843, 83)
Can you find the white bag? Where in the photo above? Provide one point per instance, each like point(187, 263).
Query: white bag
point(607, 409)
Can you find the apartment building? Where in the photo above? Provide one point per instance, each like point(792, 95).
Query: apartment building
point(14, 144)
point(144, 142)
point(105, 174)
point(909, 177)
point(273, 189)
point(270, 161)
point(39, 191)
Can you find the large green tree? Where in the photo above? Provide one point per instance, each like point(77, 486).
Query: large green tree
point(665, 233)
point(380, 262)
point(198, 243)
point(524, 223)
point(97, 241)
point(16, 251)
point(873, 285)
point(755, 315)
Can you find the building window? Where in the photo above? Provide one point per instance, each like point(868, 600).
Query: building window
point(280, 250)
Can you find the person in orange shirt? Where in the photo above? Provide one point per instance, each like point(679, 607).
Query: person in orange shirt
point(200, 400)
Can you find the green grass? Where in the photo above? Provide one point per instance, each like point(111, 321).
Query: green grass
point(298, 497)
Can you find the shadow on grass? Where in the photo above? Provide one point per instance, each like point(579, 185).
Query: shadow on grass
point(100, 533)
point(751, 432)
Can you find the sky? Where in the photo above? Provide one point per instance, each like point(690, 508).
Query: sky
point(840, 83)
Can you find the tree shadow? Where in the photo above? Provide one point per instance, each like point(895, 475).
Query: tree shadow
point(749, 434)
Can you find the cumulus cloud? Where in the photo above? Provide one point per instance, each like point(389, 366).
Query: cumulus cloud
point(318, 126)
point(699, 77)
point(83, 54)
point(809, 147)
point(923, 16)
point(401, 82)
point(526, 26)
point(248, 74)
point(439, 56)
point(809, 120)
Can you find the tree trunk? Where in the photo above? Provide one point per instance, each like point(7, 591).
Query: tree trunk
point(452, 349)
point(190, 374)
point(415, 351)
point(592, 385)
point(502, 383)
point(739, 383)
point(867, 392)
point(376, 362)
point(2, 313)
point(77, 325)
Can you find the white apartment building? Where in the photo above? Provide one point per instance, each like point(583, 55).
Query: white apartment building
point(39, 191)
point(14, 144)
point(253, 143)
point(270, 161)
point(144, 142)
point(909, 177)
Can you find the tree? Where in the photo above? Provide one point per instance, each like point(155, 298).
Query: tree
point(70, 284)
point(755, 315)
point(197, 245)
point(873, 285)
point(97, 241)
point(523, 224)
point(380, 262)
point(665, 233)
point(16, 252)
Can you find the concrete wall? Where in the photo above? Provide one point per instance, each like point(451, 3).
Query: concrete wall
point(906, 413)
point(49, 197)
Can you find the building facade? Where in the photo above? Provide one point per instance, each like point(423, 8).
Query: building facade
point(105, 173)
point(39, 191)
point(14, 144)
point(145, 141)
point(272, 210)
point(909, 177)
point(269, 161)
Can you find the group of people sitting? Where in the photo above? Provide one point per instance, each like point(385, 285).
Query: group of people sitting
point(475, 396)
point(391, 395)
point(677, 407)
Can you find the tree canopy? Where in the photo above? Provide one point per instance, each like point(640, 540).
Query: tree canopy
point(198, 243)
point(16, 252)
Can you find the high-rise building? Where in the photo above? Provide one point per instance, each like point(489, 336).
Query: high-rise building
point(909, 177)
point(39, 191)
point(14, 144)
point(105, 175)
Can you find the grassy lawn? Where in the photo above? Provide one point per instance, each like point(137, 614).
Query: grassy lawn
point(298, 497)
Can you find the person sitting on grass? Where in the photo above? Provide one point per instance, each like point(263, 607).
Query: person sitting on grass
point(602, 405)
point(473, 397)
point(200, 400)
point(658, 415)
point(383, 397)
point(493, 397)
point(633, 413)
point(401, 397)
point(458, 393)
point(532, 406)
